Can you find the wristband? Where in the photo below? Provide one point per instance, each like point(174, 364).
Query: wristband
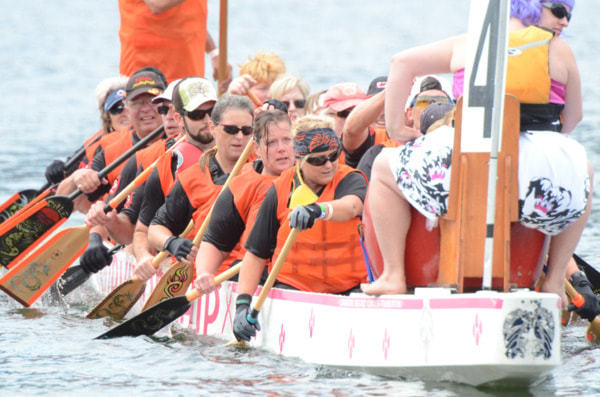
point(323, 210)
point(329, 211)
point(213, 53)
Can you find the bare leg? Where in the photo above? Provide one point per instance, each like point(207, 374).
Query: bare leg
point(561, 251)
point(391, 217)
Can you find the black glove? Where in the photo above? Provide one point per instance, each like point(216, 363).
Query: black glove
point(55, 172)
point(178, 246)
point(589, 309)
point(303, 217)
point(96, 256)
point(244, 327)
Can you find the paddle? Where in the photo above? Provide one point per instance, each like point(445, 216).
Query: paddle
point(120, 300)
point(223, 70)
point(76, 276)
point(25, 198)
point(28, 279)
point(176, 279)
point(593, 331)
point(20, 235)
point(590, 271)
point(164, 313)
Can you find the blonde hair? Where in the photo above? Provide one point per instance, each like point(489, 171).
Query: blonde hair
point(286, 83)
point(102, 90)
point(311, 122)
point(448, 120)
point(314, 102)
point(264, 68)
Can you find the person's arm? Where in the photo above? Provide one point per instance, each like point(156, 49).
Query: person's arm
point(433, 58)
point(563, 66)
point(356, 128)
point(158, 6)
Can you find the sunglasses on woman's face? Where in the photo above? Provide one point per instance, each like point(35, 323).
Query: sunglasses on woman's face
point(298, 103)
point(558, 10)
point(198, 114)
point(117, 109)
point(234, 129)
point(322, 160)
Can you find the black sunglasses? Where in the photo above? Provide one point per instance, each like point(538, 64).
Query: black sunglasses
point(234, 129)
point(198, 114)
point(344, 113)
point(163, 109)
point(117, 109)
point(322, 160)
point(558, 10)
point(298, 103)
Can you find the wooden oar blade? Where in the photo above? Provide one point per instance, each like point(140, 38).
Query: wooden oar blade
point(174, 282)
point(30, 278)
point(15, 203)
point(18, 240)
point(152, 320)
point(120, 300)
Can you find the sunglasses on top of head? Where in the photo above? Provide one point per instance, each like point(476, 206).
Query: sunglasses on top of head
point(234, 129)
point(322, 160)
point(117, 109)
point(558, 10)
point(421, 102)
point(198, 114)
point(298, 103)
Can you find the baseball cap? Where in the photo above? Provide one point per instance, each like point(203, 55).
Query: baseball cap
point(193, 92)
point(343, 96)
point(426, 83)
point(114, 97)
point(377, 85)
point(433, 113)
point(167, 94)
point(144, 82)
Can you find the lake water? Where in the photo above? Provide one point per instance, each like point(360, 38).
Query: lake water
point(52, 56)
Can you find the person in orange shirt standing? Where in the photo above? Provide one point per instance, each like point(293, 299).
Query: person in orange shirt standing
point(168, 34)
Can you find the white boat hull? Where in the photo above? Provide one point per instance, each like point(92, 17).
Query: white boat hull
point(472, 338)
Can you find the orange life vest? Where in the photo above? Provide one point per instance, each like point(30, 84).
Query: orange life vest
point(188, 155)
point(326, 258)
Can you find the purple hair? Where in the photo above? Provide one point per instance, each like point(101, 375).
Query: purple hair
point(530, 11)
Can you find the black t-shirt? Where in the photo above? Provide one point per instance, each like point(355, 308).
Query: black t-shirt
point(366, 162)
point(353, 158)
point(177, 211)
point(226, 226)
point(262, 240)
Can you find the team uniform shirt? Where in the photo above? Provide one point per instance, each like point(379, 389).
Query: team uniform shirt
point(173, 40)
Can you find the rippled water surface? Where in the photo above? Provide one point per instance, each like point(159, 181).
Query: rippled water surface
point(52, 55)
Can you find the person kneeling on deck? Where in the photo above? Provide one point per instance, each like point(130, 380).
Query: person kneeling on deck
point(326, 256)
point(554, 177)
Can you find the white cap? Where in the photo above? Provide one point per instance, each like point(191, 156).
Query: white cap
point(167, 94)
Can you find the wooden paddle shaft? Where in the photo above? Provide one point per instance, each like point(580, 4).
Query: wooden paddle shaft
point(287, 246)
point(219, 279)
point(223, 70)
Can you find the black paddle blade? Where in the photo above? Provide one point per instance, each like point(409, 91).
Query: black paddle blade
point(71, 279)
point(150, 321)
point(18, 239)
point(16, 202)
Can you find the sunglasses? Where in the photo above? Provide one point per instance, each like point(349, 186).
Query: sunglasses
point(421, 102)
point(234, 129)
point(322, 160)
point(344, 113)
point(163, 110)
point(198, 114)
point(558, 10)
point(298, 103)
point(117, 109)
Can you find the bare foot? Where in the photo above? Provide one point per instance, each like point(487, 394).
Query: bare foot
point(383, 286)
